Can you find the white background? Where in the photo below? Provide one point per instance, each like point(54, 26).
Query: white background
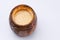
point(48, 23)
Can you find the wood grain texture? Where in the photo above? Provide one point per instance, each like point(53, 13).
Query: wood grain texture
point(23, 30)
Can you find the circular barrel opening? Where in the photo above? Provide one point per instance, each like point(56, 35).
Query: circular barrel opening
point(22, 17)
